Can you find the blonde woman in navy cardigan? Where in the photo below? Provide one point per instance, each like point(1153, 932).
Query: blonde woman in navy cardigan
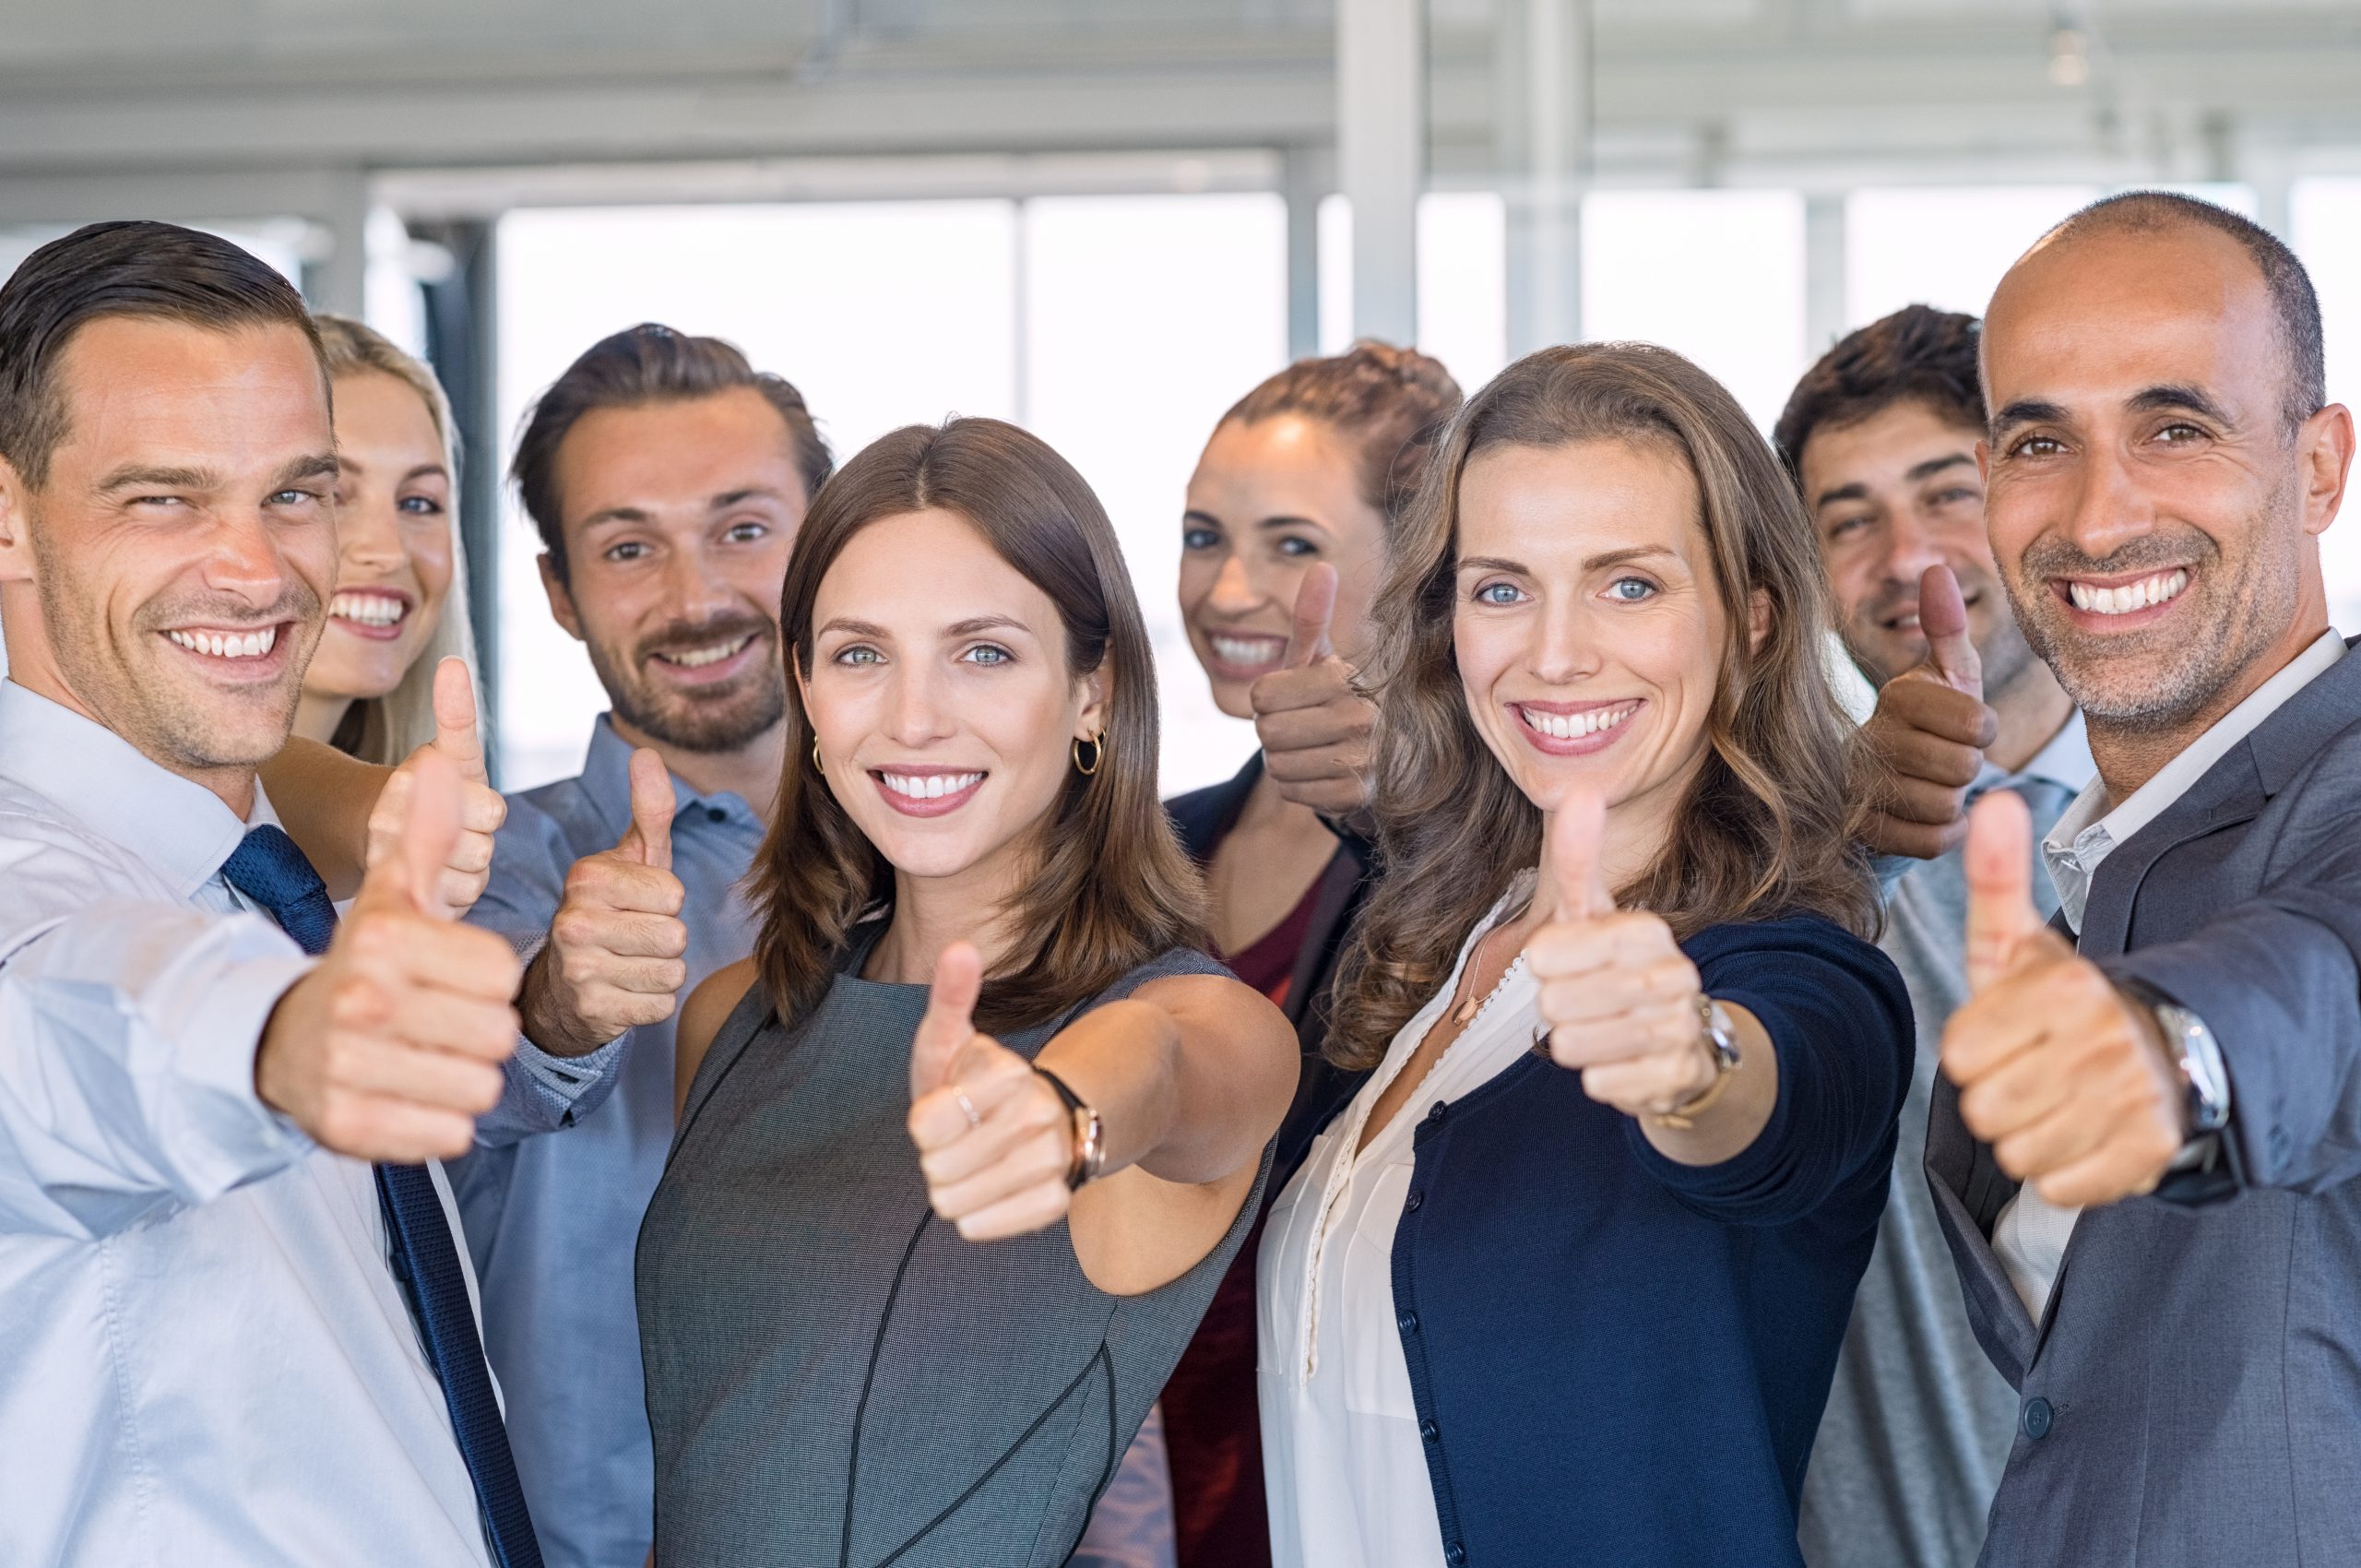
point(1566, 1279)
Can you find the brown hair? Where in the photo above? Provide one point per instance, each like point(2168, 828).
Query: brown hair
point(1918, 354)
point(156, 270)
point(647, 363)
point(1114, 888)
point(1391, 402)
point(1765, 828)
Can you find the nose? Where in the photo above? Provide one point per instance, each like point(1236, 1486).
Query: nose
point(1565, 643)
point(1234, 590)
point(245, 560)
point(2109, 509)
point(696, 588)
point(368, 545)
point(919, 709)
point(1910, 550)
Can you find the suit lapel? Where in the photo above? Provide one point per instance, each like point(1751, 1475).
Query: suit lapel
point(2232, 790)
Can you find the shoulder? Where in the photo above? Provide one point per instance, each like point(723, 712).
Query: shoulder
point(1201, 817)
point(710, 1004)
point(1797, 954)
point(1175, 963)
point(48, 860)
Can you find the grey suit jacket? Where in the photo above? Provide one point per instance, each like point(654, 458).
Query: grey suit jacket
point(2196, 1382)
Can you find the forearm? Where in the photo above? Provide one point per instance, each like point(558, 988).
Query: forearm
point(1727, 1127)
point(1185, 1104)
point(324, 799)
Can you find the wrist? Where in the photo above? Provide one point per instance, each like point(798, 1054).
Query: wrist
point(1087, 1130)
point(542, 1019)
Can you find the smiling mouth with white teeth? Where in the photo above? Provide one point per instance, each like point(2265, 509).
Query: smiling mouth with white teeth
point(928, 786)
point(698, 657)
point(220, 645)
point(2159, 587)
point(1574, 725)
point(363, 608)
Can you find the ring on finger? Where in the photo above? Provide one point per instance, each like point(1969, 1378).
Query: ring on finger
point(975, 1117)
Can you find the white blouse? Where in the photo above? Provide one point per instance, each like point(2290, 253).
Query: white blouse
point(1342, 1464)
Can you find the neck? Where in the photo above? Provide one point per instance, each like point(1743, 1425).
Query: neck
point(2129, 755)
point(933, 912)
point(234, 784)
point(2031, 709)
point(751, 772)
point(1267, 811)
point(1636, 832)
point(316, 717)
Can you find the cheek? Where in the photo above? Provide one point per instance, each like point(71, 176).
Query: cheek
point(430, 559)
point(1198, 570)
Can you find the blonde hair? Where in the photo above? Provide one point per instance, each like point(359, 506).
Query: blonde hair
point(385, 730)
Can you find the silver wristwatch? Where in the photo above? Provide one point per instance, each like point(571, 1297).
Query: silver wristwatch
point(2206, 1081)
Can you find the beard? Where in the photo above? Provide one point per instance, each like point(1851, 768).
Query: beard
point(2168, 675)
point(723, 717)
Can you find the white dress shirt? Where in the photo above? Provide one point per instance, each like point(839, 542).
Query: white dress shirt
point(204, 1356)
point(2030, 1235)
point(1346, 1471)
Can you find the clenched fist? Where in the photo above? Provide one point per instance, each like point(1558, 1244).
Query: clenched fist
point(1926, 740)
point(459, 881)
point(1620, 997)
point(2062, 1074)
point(1313, 726)
point(994, 1140)
point(613, 958)
point(392, 1047)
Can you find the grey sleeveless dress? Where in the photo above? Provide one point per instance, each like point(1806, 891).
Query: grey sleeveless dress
point(834, 1378)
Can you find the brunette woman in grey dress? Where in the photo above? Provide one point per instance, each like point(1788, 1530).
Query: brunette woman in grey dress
point(921, 1258)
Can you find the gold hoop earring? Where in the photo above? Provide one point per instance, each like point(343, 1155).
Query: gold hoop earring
point(817, 766)
point(1097, 754)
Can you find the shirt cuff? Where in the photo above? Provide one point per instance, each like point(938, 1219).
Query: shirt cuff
point(215, 1056)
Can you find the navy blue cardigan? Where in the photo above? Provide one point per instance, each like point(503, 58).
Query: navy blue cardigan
point(1618, 1360)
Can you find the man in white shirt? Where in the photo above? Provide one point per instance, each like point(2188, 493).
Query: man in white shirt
point(2147, 1159)
point(225, 1337)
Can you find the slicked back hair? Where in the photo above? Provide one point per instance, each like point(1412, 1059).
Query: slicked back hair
point(1918, 354)
point(1389, 404)
point(643, 365)
point(159, 272)
point(2293, 300)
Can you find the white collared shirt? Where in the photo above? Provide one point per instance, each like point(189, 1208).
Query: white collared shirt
point(2031, 1234)
point(204, 1357)
point(1345, 1469)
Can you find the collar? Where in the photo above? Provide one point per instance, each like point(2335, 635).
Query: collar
point(606, 781)
point(99, 779)
point(2066, 760)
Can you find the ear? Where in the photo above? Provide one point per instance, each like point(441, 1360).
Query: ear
point(15, 517)
point(1983, 461)
point(561, 598)
point(1758, 620)
point(1097, 688)
point(2328, 460)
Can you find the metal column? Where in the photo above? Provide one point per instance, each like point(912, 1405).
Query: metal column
point(1380, 156)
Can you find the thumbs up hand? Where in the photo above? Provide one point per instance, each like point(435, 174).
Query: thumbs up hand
point(1925, 742)
point(994, 1140)
point(460, 880)
point(1313, 726)
point(1621, 999)
point(613, 958)
point(2064, 1076)
point(390, 1047)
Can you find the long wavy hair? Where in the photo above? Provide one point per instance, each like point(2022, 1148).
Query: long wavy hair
point(1765, 828)
point(1111, 888)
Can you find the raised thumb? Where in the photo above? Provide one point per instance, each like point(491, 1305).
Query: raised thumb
point(652, 809)
point(949, 1023)
point(424, 837)
point(1942, 616)
point(1315, 609)
point(2001, 913)
point(456, 735)
point(1573, 841)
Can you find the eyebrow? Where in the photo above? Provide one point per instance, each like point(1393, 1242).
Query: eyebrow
point(1283, 520)
point(1934, 466)
point(2172, 396)
point(1604, 558)
point(730, 498)
point(142, 476)
point(969, 627)
point(2028, 410)
point(423, 471)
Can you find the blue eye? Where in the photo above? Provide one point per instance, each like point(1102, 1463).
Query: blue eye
point(859, 653)
point(1640, 589)
point(1199, 538)
point(1499, 593)
point(988, 654)
point(419, 505)
point(1300, 548)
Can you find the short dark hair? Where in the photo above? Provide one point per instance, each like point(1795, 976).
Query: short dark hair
point(156, 270)
point(1918, 354)
point(647, 363)
point(2293, 300)
point(1389, 403)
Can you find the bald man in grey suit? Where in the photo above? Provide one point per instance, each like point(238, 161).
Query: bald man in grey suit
point(2147, 1154)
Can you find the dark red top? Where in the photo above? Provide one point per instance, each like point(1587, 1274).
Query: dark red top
point(1213, 1431)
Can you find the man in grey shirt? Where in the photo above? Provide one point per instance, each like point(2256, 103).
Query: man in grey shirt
point(667, 478)
point(1881, 436)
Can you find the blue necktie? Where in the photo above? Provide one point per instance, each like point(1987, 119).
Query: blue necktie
point(267, 868)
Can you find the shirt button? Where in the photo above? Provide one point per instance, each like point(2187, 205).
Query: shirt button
point(714, 814)
point(2039, 1414)
point(1430, 1432)
point(1407, 1323)
point(1436, 1114)
point(1456, 1555)
point(1410, 1204)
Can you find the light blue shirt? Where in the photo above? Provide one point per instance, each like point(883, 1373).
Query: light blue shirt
point(554, 1223)
point(204, 1356)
